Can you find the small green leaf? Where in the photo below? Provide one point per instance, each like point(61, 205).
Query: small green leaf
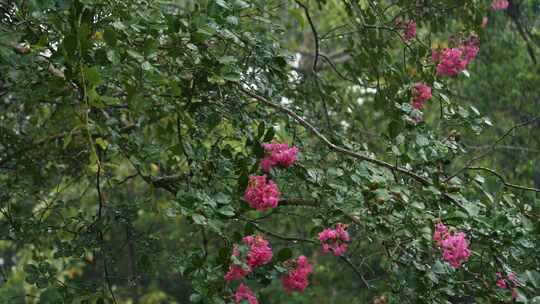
point(226, 210)
point(199, 219)
point(223, 4)
point(92, 76)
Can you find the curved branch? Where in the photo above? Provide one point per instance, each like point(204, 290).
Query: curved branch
point(356, 270)
point(501, 178)
point(339, 149)
point(331, 145)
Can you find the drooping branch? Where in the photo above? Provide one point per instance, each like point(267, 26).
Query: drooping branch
point(331, 145)
point(501, 178)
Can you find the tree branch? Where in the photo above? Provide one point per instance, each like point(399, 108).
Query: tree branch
point(315, 35)
point(331, 145)
point(501, 178)
point(337, 148)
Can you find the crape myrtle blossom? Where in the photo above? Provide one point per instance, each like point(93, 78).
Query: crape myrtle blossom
point(454, 246)
point(335, 240)
point(452, 61)
point(421, 93)
point(244, 292)
point(297, 278)
point(511, 279)
point(278, 155)
point(410, 31)
point(259, 253)
point(501, 283)
point(261, 194)
point(408, 27)
point(441, 231)
point(237, 271)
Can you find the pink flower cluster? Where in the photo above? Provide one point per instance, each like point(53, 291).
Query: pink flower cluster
point(278, 155)
point(335, 240)
point(454, 245)
point(511, 278)
point(499, 5)
point(297, 278)
point(452, 61)
point(408, 27)
point(236, 272)
point(259, 254)
point(421, 93)
point(244, 292)
point(410, 31)
point(261, 194)
point(440, 233)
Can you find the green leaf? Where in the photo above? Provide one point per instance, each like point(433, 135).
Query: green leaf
point(92, 76)
point(227, 211)
point(422, 140)
point(223, 4)
point(199, 219)
point(472, 208)
point(227, 59)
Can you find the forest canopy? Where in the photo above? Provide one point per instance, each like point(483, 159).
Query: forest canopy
point(269, 151)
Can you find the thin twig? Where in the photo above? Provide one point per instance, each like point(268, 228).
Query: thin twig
point(356, 271)
point(315, 35)
point(278, 236)
point(100, 232)
point(474, 159)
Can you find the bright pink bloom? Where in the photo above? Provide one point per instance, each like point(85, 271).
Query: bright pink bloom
point(260, 252)
point(421, 93)
point(297, 278)
point(244, 292)
point(501, 283)
point(499, 5)
point(470, 49)
point(335, 240)
point(441, 232)
point(236, 272)
point(451, 62)
point(261, 194)
point(278, 155)
point(455, 249)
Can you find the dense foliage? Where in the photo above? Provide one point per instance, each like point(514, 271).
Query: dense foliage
point(269, 151)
